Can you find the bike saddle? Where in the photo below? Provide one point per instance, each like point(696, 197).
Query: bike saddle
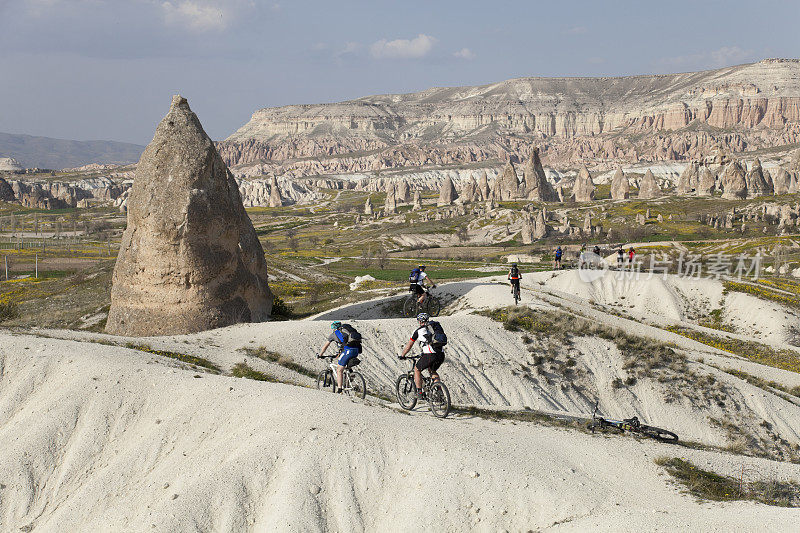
point(634, 422)
point(353, 362)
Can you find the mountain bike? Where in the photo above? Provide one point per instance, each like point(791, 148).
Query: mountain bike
point(434, 391)
point(515, 290)
point(353, 383)
point(411, 306)
point(631, 424)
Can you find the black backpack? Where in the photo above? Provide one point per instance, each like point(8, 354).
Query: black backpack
point(514, 271)
point(437, 335)
point(352, 337)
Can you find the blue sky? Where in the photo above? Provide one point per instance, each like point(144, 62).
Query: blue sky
point(105, 69)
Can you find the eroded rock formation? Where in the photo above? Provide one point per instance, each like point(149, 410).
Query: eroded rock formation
point(757, 182)
point(620, 188)
point(447, 194)
point(538, 188)
point(583, 189)
point(189, 259)
point(648, 187)
point(733, 182)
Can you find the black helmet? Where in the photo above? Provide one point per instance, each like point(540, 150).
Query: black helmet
point(513, 264)
point(422, 267)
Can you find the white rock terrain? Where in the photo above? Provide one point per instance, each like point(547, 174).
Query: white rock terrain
point(98, 437)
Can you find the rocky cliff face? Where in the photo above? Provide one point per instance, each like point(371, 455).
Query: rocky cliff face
point(627, 118)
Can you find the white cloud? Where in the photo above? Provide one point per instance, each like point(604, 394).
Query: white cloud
point(576, 30)
point(419, 46)
point(722, 57)
point(465, 53)
point(196, 16)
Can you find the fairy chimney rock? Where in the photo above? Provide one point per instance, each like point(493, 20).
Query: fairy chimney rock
point(447, 194)
point(648, 187)
point(757, 182)
point(402, 192)
point(275, 198)
point(368, 207)
point(538, 188)
point(390, 205)
point(417, 201)
point(583, 189)
point(706, 182)
point(620, 188)
point(483, 187)
point(190, 259)
point(507, 184)
point(733, 182)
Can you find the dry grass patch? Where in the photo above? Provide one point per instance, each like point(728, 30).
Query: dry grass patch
point(706, 485)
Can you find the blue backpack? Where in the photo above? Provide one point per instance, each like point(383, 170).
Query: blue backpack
point(414, 277)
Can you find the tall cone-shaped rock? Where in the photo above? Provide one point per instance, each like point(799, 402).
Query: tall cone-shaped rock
point(483, 187)
point(507, 184)
point(468, 191)
point(189, 259)
point(367, 207)
point(620, 188)
point(688, 180)
point(539, 188)
point(757, 182)
point(706, 182)
point(648, 187)
point(402, 192)
point(6, 192)
point(781, 181)
point(275, 198)
point(417, 201)
point(390, 205)
point(447, 194)
point(583, 189)
point(733, 182)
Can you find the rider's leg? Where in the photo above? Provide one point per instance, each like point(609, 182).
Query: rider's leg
point(418, 378)
point(339, 375)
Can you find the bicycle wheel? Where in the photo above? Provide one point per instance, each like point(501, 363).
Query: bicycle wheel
point(406, 392)
point(658, 433)
point(439, 399)
point(355, 385)
point(410, 307)
point(325, 381)
point(516, 297)
point(432, 305)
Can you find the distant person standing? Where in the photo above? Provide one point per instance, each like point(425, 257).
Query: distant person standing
point(582, 257)
point(559, 253)
point(620, 258)
point(631, 253)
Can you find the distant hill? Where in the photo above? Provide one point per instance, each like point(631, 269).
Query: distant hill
point(44, 152)
point(610, 120)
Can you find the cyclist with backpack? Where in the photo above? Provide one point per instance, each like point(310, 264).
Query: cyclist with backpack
point(559, 253)
point(514, 276)
point(348, 340)
point(416, 282)
point(432, 339)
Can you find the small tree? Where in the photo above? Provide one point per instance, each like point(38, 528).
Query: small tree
point(382, 258)
point(366, 258)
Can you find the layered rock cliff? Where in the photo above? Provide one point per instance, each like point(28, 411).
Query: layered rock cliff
point(675, 116)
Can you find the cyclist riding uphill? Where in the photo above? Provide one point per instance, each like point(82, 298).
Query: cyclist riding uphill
point(514, 276)
point(432, 339)
point(348, 341)
point(417, 283)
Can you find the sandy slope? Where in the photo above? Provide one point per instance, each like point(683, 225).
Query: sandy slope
point(100, 438)
point(95, 437)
